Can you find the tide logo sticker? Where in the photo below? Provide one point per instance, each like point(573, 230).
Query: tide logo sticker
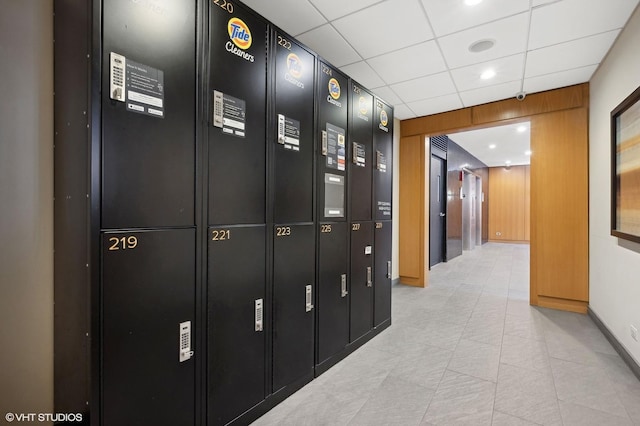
point(239, 33)
point(294, 64)
point(334, 89)
point(362, 103)
point(384, 118)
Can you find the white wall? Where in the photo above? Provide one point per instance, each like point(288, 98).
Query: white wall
point(395, 246)
point(614, 269)
point(26, 206)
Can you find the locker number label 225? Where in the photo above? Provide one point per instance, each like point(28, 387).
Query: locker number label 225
point(123, 243)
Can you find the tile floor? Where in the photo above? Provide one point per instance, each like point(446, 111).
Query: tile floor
point(469, 350)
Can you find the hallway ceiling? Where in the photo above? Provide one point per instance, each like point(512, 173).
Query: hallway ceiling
point(494, 146)
point(415, 53)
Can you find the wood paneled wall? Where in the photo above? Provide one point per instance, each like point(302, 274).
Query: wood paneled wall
point(509, 204)
point(558, 186)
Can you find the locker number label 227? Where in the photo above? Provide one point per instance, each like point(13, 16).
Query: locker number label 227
point(123, 243)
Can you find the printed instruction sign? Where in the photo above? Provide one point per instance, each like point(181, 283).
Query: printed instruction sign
point(229, 114)
point(335, 147)
point(139, 86)
point(289, 132)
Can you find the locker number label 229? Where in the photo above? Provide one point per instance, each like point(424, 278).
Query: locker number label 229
point(123, 243)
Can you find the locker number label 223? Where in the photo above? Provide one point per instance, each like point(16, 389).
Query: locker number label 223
point(283, 231)
point(123, 243)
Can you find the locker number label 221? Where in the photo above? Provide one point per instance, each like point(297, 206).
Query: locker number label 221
point(220, 235)
point(123, 243)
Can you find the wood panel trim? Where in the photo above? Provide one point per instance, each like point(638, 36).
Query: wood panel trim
point(490, 114)
point(563, 304)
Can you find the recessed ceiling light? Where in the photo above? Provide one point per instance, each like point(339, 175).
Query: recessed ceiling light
point(488, 74)
point(507, 162)
point(481, 45)
point(472, 2)
point(528, 152)
point(492, 146)
point(522, 129)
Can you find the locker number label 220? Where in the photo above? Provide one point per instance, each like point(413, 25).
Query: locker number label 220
point(123, 243)
point(224, 5)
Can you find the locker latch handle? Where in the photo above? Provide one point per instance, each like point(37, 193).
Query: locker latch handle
point(369, 278)
point(259, 315)
point(343, 284)
point(325, 143)
point(308, 298)
point(389, 269)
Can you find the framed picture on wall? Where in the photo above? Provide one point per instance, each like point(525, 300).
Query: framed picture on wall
point(625, 168)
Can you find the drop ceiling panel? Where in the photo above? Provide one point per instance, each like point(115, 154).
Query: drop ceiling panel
point(436, 105)
point(387, 95)
point(409, 63)
point(402, 112)
point(293, 16)
point(333, 9)
point(506, 33)
point(326, 42)
point(490, 93)
point(425, 87)
point(387, 26)
point(363, 74)
point(572, 19)
point(559, 79)
point(572, 54)
point(507, 69)
point(449, 16)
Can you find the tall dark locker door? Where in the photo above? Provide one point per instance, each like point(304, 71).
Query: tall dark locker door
point(332, 95)
point(361, 288)
point(148, 181)
point(237, 277)
point(292, 195)
point(383, 161)
point(148, 113)
point(361, 153)
point(148, 295)
point(382, 273)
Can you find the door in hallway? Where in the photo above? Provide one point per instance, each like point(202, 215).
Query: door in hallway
point(437, 211)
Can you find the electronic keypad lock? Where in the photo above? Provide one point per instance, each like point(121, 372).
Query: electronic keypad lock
point(343, 285)
point(185, 352)
point(369, 277)
point(308, 298)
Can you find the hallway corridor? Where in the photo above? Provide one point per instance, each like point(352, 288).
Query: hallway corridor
point(469, 350)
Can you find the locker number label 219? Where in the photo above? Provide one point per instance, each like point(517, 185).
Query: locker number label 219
point(123, 243)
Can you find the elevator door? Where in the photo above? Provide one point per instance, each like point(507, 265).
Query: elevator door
point(437, 210)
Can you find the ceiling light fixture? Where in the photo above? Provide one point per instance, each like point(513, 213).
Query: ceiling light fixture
point(481, 45)
point(528, 153)
point(522, 129)
point(507, 162)
point(488, 74)
point(492, 146)
point(472, 2)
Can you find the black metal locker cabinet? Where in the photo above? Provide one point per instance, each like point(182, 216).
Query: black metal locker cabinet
point(332, 94)
point(292, 195)
point(383, 161)
point(293, 304)
point(333, 293)
point(148, 113)
point(332, 106)
point(148, 294)
point(361, 153)
point(236, 320)
point(237, 108)
point(361, 283)
point(382, 273)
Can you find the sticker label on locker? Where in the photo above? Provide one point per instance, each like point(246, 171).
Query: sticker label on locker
point(229, 114)
point(381, 162)
point(145, 89)
point(335, 149)
point(359, 154)
point(368, 250)
point(333, 195)
point(384, 207)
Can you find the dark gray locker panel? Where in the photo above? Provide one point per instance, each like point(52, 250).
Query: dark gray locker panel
point(360, 153)
point(333, 295)
point(148, 290)
point(236, 346)
point(293, 300)
point(361, 279)
point(382, 271)
point(237, 110)
point(332, 106)
point(148, 163)
point(383, 161)
point(293, 138)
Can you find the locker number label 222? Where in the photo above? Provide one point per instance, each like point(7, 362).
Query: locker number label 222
point(123, 243)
